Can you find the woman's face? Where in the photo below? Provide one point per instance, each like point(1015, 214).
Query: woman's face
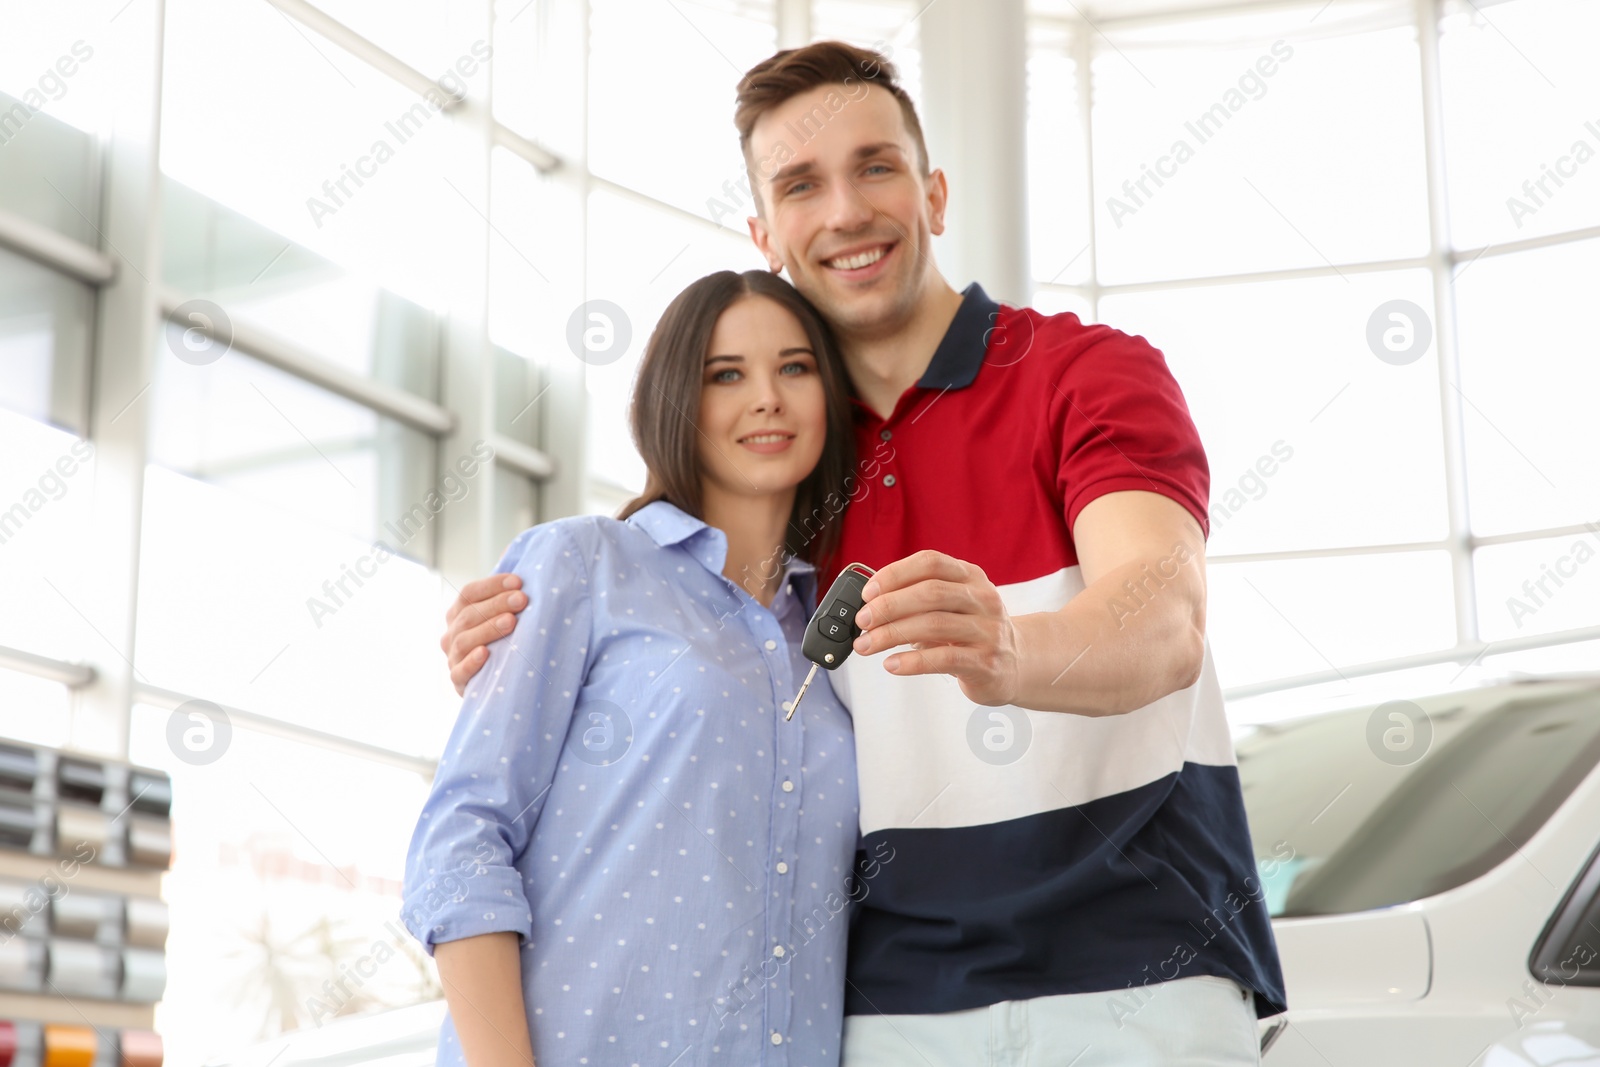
point(763, 415)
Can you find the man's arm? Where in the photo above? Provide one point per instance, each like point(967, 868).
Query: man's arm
point(482, 978)
point(1135, 633)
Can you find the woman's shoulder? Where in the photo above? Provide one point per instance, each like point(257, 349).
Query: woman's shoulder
point(588, 539)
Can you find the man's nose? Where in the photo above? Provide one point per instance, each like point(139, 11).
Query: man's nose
point(848, 207)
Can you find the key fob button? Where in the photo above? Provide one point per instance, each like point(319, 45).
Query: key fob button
point(833, 629)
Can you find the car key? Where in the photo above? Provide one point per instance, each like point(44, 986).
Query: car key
point(833, 629)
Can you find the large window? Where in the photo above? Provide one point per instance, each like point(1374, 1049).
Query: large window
point(337, 423)
point(1388, 374)
point(1519, 89)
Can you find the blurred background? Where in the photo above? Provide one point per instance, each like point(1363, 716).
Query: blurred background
point(287, 299)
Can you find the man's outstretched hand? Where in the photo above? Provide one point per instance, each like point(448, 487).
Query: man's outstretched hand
point(952, 616)
point(484, 611)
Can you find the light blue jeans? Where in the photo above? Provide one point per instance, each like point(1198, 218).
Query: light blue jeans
point(1199, 1021)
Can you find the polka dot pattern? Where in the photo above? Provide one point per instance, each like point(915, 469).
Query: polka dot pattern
point(621, 789)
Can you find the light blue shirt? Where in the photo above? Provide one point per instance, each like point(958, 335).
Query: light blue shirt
point(621, 789)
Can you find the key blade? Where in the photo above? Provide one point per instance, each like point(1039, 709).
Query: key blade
point(812, 673)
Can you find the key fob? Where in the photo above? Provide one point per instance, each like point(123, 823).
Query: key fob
point(832, 629)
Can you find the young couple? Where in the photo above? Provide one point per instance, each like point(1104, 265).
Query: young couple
point(1017, 839)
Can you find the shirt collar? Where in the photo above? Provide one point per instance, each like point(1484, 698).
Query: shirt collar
point(961, 351)
point(667, 524)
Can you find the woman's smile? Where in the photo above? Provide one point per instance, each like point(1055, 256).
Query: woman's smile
point(767, 442)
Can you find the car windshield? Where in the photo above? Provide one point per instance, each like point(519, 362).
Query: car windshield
point(1344, 820)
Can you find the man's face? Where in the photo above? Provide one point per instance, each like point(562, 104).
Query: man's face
point(846, 208)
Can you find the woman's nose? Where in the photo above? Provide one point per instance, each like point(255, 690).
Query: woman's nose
point(766, 399)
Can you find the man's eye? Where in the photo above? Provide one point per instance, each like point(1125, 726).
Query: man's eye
point(798, 187)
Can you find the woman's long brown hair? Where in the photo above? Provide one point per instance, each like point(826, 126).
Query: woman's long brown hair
point(665, 409)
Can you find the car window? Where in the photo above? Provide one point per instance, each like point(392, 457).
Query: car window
point(1339, 826)
point(1567, 953)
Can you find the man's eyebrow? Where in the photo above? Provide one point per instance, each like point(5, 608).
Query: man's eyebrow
point(866, 151)
point(793, 170)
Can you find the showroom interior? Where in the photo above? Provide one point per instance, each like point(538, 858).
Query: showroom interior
point(274, 273)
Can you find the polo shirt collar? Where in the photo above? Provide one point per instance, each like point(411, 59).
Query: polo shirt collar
point(667, 524)
point(961, 352)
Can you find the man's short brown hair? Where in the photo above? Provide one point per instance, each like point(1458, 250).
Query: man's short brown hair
point(793, 71)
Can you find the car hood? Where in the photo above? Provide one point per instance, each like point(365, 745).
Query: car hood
point(1370, 957)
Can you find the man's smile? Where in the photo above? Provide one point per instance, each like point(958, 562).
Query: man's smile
point(859, 262)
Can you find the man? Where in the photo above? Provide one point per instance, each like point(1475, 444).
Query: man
point(1046, 755)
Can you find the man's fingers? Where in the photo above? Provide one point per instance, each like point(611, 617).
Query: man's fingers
point(931, 629)
point(474, 615)
point(917, 567)
point(461, 673)
point(469, 651)
point(928, 595)
point(484, 611)
point(940, 659)
point(471, 618)
point(469, 639)
point(482, 589)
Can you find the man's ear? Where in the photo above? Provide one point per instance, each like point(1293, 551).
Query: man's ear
point(763, 239)
point(938, 200)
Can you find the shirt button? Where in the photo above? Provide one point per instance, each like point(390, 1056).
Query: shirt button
point(777, 1038)
point(781, 868)
point(771, 645)
point(777, 950)
point(788, 786)
point(885, 434)
point(888, 479)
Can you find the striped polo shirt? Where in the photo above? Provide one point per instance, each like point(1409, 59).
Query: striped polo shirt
point(1037, 853)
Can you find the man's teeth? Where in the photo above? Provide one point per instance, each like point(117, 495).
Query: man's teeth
point(766, 438)
point(856, 262)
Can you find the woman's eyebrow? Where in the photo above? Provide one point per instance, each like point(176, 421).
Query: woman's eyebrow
point(796, 350)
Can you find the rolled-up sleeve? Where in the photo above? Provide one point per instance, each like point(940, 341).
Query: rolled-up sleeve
point(462, 878)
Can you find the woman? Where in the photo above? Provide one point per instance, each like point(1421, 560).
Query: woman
point(627, 855)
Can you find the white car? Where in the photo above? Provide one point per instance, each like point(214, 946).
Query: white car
point(1432, 871)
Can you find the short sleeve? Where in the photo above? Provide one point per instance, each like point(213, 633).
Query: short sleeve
point(1123, 424)
point(461, 875)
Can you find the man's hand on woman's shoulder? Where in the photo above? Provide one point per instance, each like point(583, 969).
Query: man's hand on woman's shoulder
point(484, 611)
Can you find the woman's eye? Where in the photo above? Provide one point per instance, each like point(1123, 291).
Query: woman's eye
point(799, 368)
point(718, 376)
